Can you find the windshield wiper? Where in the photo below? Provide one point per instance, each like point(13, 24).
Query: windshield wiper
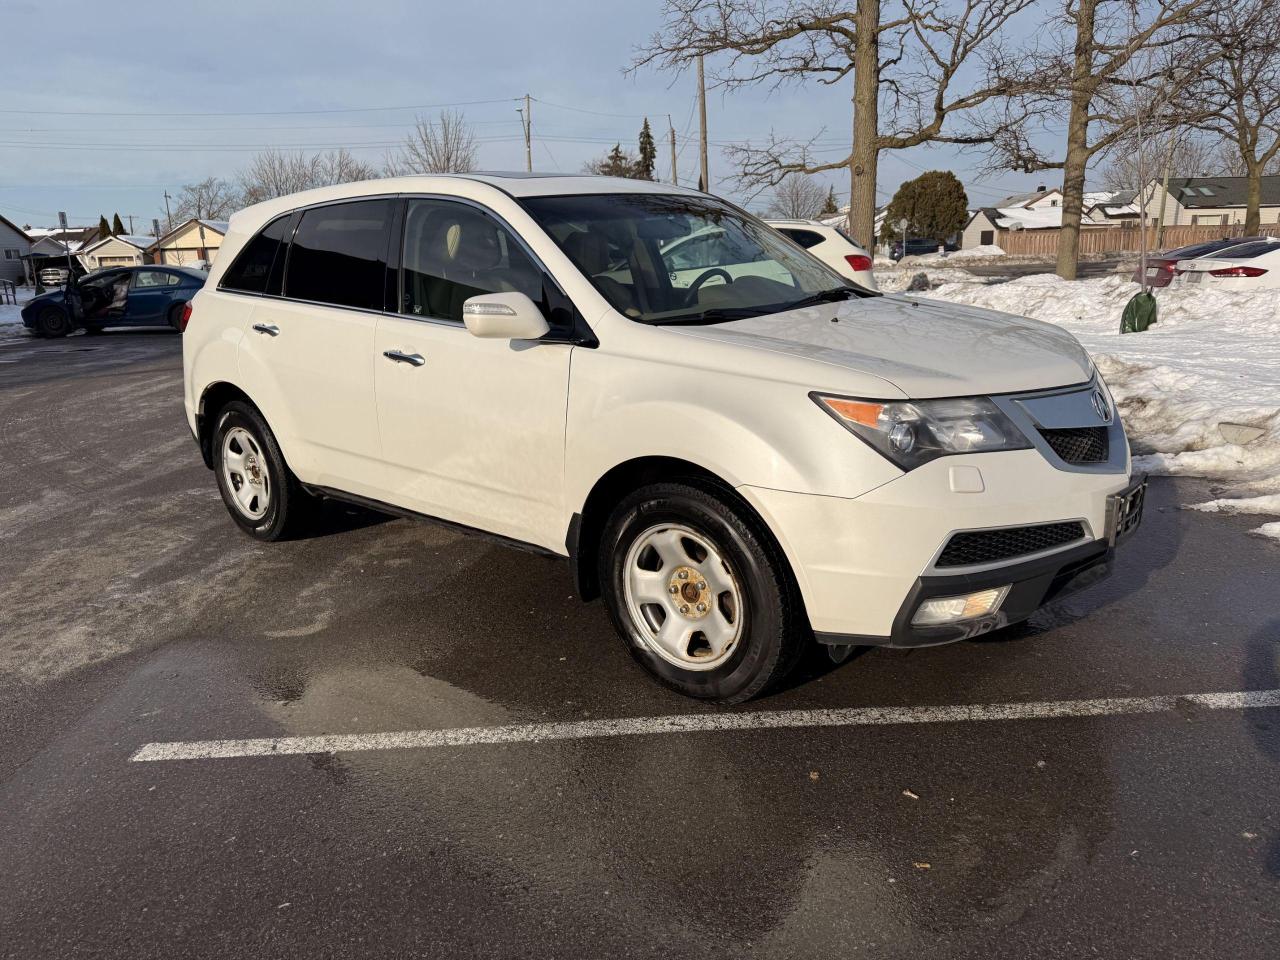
point(714, 315)
point(833, 295)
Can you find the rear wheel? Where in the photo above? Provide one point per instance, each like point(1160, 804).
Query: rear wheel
point(53, 322)
point(700, 592)
point(263, 497)
point(175, 316)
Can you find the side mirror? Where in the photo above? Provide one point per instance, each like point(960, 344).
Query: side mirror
point(504, 316)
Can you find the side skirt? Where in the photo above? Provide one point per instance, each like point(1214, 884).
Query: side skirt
point(330, 493)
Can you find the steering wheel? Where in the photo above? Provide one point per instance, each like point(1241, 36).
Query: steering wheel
point(704, 277)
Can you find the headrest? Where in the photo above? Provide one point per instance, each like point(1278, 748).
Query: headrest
point(589, 250)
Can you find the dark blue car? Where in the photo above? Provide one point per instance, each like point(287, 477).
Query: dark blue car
point(115, 297)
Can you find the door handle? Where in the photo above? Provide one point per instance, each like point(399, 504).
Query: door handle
point(268, 328)
point(415, 359)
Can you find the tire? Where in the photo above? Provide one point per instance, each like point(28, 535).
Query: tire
point(53, 322)
point(696, 539)
point(175, 317)
point(262, 495)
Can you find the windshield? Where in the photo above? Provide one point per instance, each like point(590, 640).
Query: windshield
point(678, 259)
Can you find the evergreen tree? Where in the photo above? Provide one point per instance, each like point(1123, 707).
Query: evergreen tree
point(617, 163)
point(829, 205)
point(648, 153)
point(934, 204)
point(104, 228)
point(117, 228)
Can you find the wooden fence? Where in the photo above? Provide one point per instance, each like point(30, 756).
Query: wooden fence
point(1120, 239)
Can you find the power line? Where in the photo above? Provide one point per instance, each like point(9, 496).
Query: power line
point(253, 113)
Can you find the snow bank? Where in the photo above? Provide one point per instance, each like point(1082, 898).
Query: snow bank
point(923, 278)
point(1213, 357)
point(11, 314)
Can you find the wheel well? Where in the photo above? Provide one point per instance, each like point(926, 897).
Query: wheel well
point(215, 397)
point(587, 527)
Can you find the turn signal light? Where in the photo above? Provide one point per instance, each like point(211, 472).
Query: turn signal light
point(1238, 272)
point(185, 318)
point(858, 261)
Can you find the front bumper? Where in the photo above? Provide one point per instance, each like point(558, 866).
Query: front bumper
point(1034, 583)
point(865, 564)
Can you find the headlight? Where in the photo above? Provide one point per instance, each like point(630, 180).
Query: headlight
point(913, 432)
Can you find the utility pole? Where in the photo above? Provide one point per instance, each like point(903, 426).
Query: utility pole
point(671, 134)
point(130, 216)
point(1164, 195)
point(528, 136)
point(66, 244)
point(168, 217)
point(704, 182)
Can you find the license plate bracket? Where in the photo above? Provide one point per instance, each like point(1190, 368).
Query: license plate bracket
point(1124, 510)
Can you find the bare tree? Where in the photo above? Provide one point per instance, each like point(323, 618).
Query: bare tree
point(797, 197)
point(211, 199)
point(913, 65)
point(1181, 152)
point(1073, 74)
point(274, 173)
point(446, 146)
point(1241, 88)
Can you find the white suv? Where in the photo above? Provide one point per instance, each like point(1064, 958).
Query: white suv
point(830, 245)
point(737, 448)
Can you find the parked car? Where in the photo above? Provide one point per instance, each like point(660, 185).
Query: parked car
point(918, 246)
point(1246, 266)
point(739, 462)
point(54, 276)
point(832, 247)
point(1160, 266)
point(115, 297)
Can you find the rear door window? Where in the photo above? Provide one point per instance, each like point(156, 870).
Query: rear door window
point(339, 254)
point(150, 279)
point(252, 272)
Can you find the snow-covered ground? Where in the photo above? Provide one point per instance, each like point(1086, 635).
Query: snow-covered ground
point(11, 314)
point(1213, 358)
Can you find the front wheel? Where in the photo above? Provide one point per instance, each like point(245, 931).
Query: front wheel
point(53, 322)
point(700, 592)
point(262, 495)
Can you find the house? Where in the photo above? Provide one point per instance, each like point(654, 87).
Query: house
point(121, 251)
point(189, 242)
point(1039, 210)
point(14, 246)
point(1213, 201)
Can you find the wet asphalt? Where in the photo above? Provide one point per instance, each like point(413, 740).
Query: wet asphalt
point(133, 612)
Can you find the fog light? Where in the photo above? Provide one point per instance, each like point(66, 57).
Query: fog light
point(954, 609)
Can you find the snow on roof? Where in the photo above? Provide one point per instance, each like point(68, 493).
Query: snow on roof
point(1033, 218)
point(222, 226)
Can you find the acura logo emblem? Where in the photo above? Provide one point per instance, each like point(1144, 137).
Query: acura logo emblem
point(1101, 407)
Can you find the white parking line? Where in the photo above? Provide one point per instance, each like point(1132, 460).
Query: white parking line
point(696, 723)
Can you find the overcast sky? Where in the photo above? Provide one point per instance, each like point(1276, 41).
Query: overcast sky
point(197, 88)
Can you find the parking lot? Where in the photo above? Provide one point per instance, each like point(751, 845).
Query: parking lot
point(507, 783)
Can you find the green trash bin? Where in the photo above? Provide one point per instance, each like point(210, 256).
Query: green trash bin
point(1139, 313)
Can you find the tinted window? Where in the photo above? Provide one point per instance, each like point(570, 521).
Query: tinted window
point(453, 251)
point(339, 254)
point(252, 268)
point(806, 238)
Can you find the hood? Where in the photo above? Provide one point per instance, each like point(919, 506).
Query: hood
point(926, 348)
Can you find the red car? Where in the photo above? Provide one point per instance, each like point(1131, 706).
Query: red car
point(1160, 265)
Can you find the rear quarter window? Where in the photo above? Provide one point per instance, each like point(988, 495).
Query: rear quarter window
point(259, 266)
point(806, 238)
